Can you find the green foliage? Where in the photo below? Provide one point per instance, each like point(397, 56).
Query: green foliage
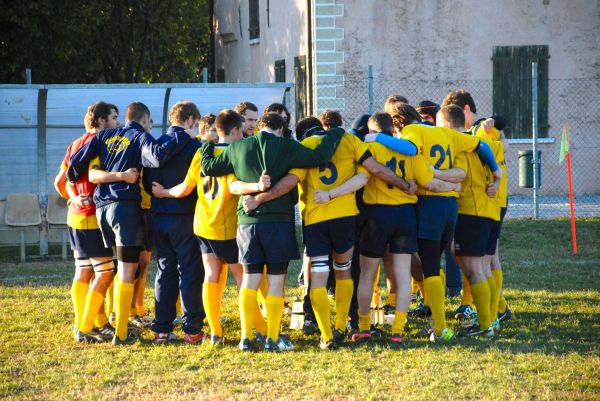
point(69, 41)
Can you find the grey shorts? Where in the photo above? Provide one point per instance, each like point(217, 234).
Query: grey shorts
point(121, 224)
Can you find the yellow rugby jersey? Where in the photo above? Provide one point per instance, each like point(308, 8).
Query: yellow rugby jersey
point(439, 146)
point(146, 198)
point(344, 164)
point(473, 199)
point(494, 135)
point(377, 192)
point(216, 209)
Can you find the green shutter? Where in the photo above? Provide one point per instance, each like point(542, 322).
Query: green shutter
point(300, 79)
point(280, 70)
point(253, 24)
point(512, 92)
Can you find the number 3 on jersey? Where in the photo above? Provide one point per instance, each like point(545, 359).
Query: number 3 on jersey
point(392, 164)
point(211, 187)
point(330, 176)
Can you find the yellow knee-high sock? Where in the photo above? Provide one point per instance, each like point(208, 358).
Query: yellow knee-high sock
point(79, 292)
point(140, 310)
point(178, 306)
point(343, 298)
point(364, 322)
point(101, 318)
point(248, 308)
point(110, 298)
point(93, 301)
point(499, 279)
point(320, 305)
point(222, 280)
point(274, 315)
point(399, 322)
point(123, 297)
point(423, 292)
point(481, 299)
point(502, 304)
point(211, 301)
point(392, 299)
point(259, 323)
point(414, 286)
point(443, 278)
point(263, 290)
point(467, 296)
point(494, 298)
point(435, 295)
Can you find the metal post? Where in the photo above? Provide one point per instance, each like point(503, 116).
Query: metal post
point(28, 76)
point(534, 123)
point(205, 75)
point(42, 174)
point(371, 91)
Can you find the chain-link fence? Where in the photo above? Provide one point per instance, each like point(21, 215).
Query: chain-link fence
point(574, 101)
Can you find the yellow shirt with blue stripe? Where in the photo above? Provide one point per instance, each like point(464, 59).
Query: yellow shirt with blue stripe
point(377, 192)
point(439, 146)
point(494, 135)
point(473, 199)
point(344, 164)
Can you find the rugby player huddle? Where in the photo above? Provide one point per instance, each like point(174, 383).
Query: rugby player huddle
point(395, 188)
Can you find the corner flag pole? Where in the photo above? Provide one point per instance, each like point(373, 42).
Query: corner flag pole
point(565, 152)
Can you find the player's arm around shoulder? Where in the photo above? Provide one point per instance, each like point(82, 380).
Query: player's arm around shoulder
point(425, 177)
point(220, 165)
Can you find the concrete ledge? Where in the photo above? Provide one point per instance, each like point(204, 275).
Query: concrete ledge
point(336, 10)
point(530, 141)
point(329, 33)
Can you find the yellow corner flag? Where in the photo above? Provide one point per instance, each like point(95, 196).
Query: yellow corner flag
point(564, 142)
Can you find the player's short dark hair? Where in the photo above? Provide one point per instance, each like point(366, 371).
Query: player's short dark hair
point(453, 114)
point(391, 100)
point(241, 107)
point(278, 108)
point(403, 115)
point(428, 107)
point(205, 122)
point(308, 126)
point(381, 122)
point(461, 98)
point(272, 121)
point(182, 110)
point(331, 119)
point(226, 121)
point(97, 111)
point(136, 111)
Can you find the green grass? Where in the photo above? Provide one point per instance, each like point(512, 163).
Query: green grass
point(550, 350)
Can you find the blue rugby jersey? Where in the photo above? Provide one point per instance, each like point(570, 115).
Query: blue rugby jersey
point(170, 174)
point(120, 149)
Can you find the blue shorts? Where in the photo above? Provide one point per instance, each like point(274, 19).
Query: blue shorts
point(222, 249)
point(337, 235)
point(88, 243)
point(121, 224)
point(148, 231)
point(495, 235)
point(264, 243)
point(389, 227)
point(436, 217)
point(473, 236)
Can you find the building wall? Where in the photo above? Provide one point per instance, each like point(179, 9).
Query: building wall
point(425, 49)
point(283, 35)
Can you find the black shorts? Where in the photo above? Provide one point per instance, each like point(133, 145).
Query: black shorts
point(389, 227)
point(473, 235)
point(436, 217)
point(222, 249)
point(148, 232)
point(337, 235)
point(121, 224)
point(264, 243)
point(88, 243)
point(495, 235)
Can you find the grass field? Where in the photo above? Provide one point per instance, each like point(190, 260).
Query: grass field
point(550, 350)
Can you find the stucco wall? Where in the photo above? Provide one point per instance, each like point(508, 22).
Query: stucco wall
point(283, 35)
